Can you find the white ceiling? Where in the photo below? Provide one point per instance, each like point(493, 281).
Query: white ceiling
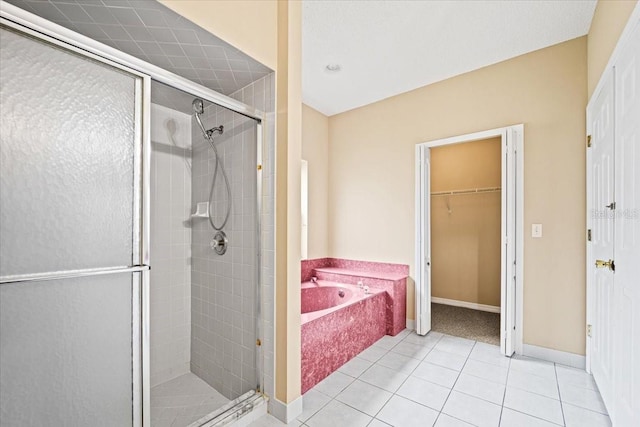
point(388, 47)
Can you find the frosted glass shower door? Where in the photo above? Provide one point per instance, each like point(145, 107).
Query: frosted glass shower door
point(71, 264)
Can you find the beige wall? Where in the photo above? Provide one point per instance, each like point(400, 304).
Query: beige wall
point(609, 20)
point(371, 175)
point(288, 218)
point(315, 150)
point(465, 228)
point(249, 25)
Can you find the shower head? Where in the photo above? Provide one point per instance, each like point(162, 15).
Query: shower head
point(198, 106)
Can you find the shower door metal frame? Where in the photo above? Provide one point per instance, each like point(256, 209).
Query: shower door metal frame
point(36, 26)
point(141, 202)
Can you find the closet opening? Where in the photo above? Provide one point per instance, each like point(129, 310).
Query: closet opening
point(469, 237)
point(465, 239)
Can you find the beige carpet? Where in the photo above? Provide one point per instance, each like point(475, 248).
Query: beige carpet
point(466, 323)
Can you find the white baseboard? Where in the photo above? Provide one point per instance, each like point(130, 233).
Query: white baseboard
point(556, 356)
point(285, 412)
point(411, 324)
point(465, 304)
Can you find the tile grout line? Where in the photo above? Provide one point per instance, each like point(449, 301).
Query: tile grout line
point(455, 382)
point(555, 372)
point(408, 375)
point(504, 395)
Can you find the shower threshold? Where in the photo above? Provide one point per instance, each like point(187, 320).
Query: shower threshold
point(233, 411)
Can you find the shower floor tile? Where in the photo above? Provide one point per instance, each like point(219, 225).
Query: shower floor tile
point(183, 400)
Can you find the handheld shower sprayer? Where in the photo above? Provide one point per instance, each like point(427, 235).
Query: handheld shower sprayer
point(198, 108)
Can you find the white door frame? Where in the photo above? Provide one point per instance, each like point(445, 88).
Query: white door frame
point(514, 215)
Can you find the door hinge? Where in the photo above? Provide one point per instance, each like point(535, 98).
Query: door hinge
point(588, 141)
point(611, 206)
point(589, 331)
point(588, 235)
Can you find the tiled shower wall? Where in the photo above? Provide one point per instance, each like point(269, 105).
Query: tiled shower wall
point(223, 300)
point(170, 243)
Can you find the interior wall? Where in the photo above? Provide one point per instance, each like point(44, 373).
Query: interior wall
point(465, 228)
point(315, 150)
point(249, 25)
point(170, 301)
point(609, 19)
point(372, 175)
point(288, 215)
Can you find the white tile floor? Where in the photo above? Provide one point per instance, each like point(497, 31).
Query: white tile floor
point(440, 380)
point(183, 400)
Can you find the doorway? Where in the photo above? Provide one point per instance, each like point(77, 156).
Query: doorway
point(447, 271)
point(465, 239)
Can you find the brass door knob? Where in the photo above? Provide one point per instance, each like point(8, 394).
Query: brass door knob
point(606, 264)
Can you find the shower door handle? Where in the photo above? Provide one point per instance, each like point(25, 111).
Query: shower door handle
point(39, 277)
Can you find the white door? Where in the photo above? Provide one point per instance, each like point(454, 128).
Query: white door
point(626, 293)
point(601, 116)
point(423, 251)
point(508, 251)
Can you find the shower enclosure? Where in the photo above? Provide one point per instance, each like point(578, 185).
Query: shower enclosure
point(205, 312)
point(124, 299)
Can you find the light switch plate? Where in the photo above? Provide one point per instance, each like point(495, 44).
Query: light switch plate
point(536, 230)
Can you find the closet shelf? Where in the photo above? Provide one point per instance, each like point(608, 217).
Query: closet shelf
point(467, 191)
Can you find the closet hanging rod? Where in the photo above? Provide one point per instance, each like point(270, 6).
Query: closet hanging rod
point(468, 191)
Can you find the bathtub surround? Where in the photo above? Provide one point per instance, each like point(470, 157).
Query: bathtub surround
point(334, 335)
point(391, 278)
point(339, 318)
point(365, 267)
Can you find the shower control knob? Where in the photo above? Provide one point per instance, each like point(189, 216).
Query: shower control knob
point(219, 242)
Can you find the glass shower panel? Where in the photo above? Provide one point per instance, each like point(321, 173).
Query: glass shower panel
point(66, 160)
point(70, 222)
point(66, 351)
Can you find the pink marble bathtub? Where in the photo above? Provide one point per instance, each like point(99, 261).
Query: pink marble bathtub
point(318, 298)
point(336, 328)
